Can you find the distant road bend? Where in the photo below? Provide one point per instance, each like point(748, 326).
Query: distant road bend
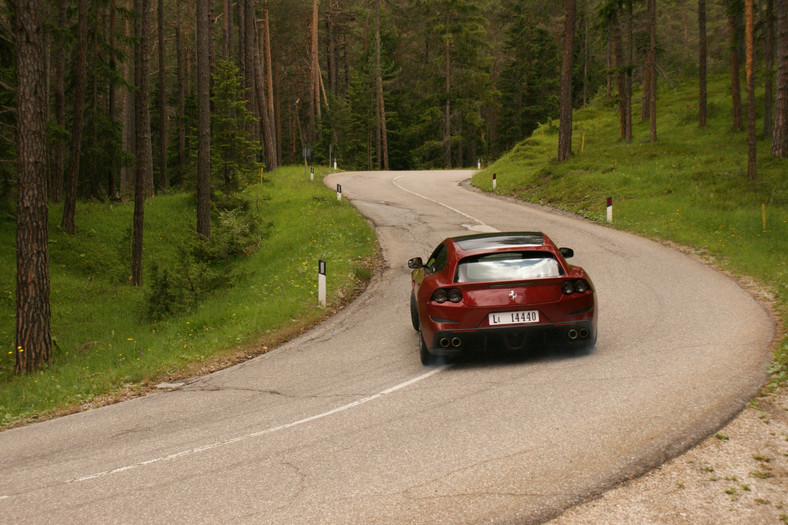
point(344, 425)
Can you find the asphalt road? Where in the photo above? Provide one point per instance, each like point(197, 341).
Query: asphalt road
point(344, 425)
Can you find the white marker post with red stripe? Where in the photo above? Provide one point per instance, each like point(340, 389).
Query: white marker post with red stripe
point(610, 209)
point(321, 282)
point(495, 181)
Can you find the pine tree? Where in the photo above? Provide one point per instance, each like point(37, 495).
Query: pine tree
point(233, 151)
point(529, 81)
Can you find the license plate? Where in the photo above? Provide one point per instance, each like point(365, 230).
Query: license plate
point(521, 317)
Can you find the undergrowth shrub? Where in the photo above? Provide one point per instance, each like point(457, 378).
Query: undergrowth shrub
point(205, 265)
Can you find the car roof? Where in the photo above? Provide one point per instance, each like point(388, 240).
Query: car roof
point(500, 240)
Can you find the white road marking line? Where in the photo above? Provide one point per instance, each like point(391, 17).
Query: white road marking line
point(394, 181)
point(259, 433)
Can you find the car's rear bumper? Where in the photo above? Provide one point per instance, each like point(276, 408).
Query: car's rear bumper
point(452, 343)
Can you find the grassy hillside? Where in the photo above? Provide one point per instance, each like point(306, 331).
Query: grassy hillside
point(105, 340)
point(690, 187)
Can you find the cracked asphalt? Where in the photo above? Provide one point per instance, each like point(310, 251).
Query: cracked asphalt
point(344, 425)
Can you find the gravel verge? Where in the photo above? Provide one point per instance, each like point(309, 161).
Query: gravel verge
point(739, 476)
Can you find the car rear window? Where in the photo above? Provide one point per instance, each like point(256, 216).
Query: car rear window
point(508, 266)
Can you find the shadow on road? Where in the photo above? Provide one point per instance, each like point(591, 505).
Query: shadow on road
point(501, 357)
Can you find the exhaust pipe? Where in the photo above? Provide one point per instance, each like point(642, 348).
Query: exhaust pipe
point(572, 334)
point(456, 342)
point(584, 333)
point(445, 342)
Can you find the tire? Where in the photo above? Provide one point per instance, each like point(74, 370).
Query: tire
point(427, 358)
point(414, 313)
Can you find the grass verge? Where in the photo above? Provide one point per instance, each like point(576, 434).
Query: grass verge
point(106, 348)
point(690, 187)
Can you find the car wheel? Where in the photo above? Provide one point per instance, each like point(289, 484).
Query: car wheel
point(414, 312)
point(426, 357)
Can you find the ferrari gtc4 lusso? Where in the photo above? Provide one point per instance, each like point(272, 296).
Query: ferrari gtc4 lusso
point(500, 291)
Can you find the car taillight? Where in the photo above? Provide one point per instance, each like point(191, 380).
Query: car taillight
point(455, 295)
point(578, 286)
point(441, 295)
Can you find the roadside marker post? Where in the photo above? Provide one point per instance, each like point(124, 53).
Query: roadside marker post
point(610, 209)
point(311, 173)
point(495, 181)
point(339, 192)
point(321, 282)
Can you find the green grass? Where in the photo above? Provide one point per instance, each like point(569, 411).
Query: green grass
point(105, 345)
point(690, 187)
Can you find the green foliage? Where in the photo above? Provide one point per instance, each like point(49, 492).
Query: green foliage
point(101, 154)
point(458, 32)
point(233, 152)
point(204, 266)
point(530, 78)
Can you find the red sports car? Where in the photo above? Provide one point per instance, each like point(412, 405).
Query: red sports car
point(509, 291)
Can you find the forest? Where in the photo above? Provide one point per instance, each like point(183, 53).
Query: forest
point(121, 100)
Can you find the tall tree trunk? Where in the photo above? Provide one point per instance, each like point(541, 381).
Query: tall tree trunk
point(181, 99)
point(250, 55)
point(314, 99)
point(94, 167)
point(70, 202)
point(447, 110)
point(59, 153)
point(645, 106)
point(702, 60)
point(652, 68)
point(227, 27)
point(586, 57)
point(278, 114)
point(629, 68)
point(269, 78)
point(111, 103)
point(331, 44)
point(242, 39)
point(379, 81)
point(204, 118)
point(163, 181)
point(750, 46)
point(127, 116)
point(144, 164)
point(33, 331)
point(621, 81)
point(768, 77)
point(267, 97)
point(262, 99)
point(733, 28)
point(565, 101)
point(780, 132)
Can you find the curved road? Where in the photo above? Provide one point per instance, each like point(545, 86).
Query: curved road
point(344, 425)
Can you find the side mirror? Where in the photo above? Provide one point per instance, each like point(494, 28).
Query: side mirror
point(415, 263)
point(567, 252)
